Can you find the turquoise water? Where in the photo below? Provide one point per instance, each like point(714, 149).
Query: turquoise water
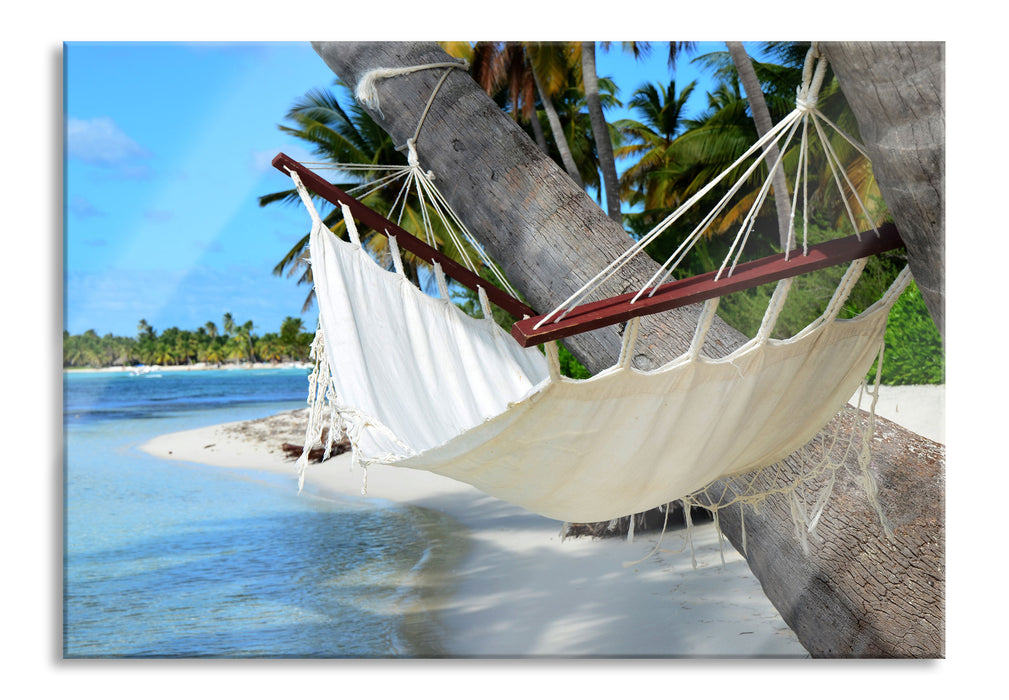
point(174, 559)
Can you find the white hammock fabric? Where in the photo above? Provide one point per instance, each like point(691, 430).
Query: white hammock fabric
point(434, 389)
point(417, 383)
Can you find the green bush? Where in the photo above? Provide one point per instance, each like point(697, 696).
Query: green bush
point(570, 366)
point(914, 353)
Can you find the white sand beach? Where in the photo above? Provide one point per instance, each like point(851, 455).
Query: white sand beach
point(522, 590)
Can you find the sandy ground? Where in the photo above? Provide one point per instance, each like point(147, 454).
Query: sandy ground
point(522, 590)
point(921, 409)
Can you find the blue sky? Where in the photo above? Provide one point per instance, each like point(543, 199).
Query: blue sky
point(168, 146)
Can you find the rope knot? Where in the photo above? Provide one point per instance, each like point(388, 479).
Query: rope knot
point(411, 153)
point(367, 94)
point(813, 72)
point(804, 104)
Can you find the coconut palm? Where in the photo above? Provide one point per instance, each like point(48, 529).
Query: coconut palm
point(648, 142)
point(550, 65)
point(762, 119)
point(518, 73)
point(144, 329)
point(210, 353)
point(778, 81)
point(269, 348)
point(600, 131)
point(291, 329)
point(502, 71)
point(525, 76)
point(349, 135)
point(244, 334)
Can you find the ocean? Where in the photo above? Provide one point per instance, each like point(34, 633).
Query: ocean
point(172, 559)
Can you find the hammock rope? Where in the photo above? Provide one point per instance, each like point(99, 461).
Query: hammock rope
point(805, 112)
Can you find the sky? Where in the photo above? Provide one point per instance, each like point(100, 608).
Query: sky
point(168, 147)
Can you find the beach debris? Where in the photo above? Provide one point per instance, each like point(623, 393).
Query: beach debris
point(316, 454)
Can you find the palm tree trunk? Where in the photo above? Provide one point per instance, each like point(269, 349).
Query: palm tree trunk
point(897, 92)
point(541, 139)
point(558, 131)
point(762, 119)
point(549, 238)
point(600, 131)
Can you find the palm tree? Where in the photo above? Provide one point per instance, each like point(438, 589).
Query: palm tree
point(291, 329)
point(164, 355)
point(144, 329)
point(648, 143)
point(525, 71)
point(762, 120)
point(350, 136)
point(600, 131)
point(243, 339)
point(778, 82)
point(550, 64)
point(502, 70)
point(210, 354)
point(268, 348)
point(235, 349)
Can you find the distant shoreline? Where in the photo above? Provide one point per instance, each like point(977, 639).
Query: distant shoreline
point(198, 366)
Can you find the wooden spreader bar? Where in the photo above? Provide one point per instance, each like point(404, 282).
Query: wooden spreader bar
point(405, 240)
point(593, 315)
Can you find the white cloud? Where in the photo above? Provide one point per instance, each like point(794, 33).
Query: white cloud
point(101, 142)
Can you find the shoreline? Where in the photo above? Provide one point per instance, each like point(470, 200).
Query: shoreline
point(520, 589)
point(195, 367)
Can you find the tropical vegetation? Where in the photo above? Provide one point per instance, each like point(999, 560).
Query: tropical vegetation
point(232, 343)
point(664, 155)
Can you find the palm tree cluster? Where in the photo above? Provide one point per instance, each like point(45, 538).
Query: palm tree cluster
point(666, 155)
point(233, 343)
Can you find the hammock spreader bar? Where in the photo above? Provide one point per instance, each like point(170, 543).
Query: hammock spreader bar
point(405, 240)
point(599, 314)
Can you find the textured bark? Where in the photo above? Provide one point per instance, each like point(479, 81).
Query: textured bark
point(549, 238)
point(897, 92)
point(857, 593)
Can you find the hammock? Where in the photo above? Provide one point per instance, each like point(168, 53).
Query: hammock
point(416, 383)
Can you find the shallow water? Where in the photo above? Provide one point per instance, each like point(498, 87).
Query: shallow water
point(174, 559)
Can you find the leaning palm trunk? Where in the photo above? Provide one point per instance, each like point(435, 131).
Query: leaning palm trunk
point(762, 120)
point(600, 131)
point(558, 132)
point(549, 237)
point(897, 92)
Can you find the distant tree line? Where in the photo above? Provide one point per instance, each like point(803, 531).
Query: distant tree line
point(231, 343)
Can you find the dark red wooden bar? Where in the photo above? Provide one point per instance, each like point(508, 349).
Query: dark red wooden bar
point(405, 240)
point(598, 314)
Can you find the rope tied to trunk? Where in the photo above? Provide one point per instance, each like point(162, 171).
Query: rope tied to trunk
point(367, 93)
